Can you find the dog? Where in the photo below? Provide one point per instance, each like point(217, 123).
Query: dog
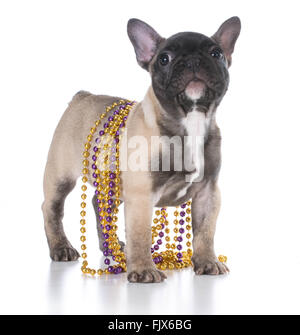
point(189, 77)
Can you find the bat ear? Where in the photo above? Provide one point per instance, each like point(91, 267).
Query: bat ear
point(145, 41)
point(227, 35)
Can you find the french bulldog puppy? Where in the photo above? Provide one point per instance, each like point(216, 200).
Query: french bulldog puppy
point(189, 75)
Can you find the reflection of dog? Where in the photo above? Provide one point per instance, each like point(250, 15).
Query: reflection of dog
point(189, 79)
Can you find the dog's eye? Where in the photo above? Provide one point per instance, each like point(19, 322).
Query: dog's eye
point(216, 53)
point(164, 59)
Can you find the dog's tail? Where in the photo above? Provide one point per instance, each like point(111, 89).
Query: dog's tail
point(79, 96)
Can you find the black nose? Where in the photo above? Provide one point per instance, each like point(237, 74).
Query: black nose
point(193, 64)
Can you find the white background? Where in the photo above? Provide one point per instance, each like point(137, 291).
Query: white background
point(52, 49)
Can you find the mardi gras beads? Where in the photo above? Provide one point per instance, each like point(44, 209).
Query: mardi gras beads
point(101, 164)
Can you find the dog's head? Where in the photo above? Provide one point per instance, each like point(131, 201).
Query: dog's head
point(187, 69)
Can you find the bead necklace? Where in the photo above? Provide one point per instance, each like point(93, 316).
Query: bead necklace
point(104, 168)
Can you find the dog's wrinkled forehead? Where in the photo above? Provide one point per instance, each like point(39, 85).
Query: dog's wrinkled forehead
point(187, 43)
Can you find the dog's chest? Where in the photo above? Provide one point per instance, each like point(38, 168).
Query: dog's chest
point(175, 187)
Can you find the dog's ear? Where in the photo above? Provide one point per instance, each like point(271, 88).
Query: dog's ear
point(227, 35)
point(145, 41)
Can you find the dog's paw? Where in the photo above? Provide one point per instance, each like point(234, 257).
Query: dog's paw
point(146, 276)
point(209, 266)
point(64, 254)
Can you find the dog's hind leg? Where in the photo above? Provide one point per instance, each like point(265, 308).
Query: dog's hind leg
point(53, 210)
point(61, 172)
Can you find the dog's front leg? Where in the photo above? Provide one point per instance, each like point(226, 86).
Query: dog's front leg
point(138, 216)
point(205, 210)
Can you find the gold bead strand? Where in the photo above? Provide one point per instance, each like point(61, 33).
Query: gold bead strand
point(187, 254)
point(156, 254)
point(163, 265)
point(188, 227)
point(85, 173)
point(167, 236)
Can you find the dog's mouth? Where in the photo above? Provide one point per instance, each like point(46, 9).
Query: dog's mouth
point(195, 89)
point(196, 93)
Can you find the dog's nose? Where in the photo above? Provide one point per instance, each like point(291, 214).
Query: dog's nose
point(193, 64)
